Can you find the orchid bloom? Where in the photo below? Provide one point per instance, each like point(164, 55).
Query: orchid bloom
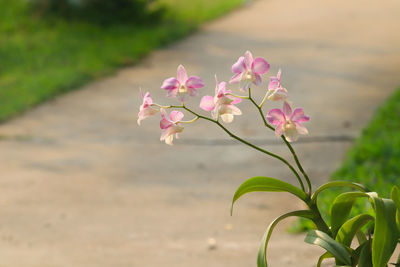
point(287, 122)
point(170, 125)
point(222, 104)
point(248, 71)
point(181, 86)
point(146, 109)
point(276, 92)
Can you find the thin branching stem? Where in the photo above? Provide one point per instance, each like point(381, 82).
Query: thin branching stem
point(259, 108)
point(247, 143)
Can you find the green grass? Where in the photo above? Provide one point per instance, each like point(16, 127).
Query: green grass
point(374, 159)
point(40, 59)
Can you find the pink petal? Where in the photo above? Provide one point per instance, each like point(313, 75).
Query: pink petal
point(248, 59)
point(239, 66)
point(259, 66)
point(278, 76)
point(164, 124)
point(194, 82)
point(176, 116)
point(207, 103)
point(300, 128)
point(258, 80)
point(192, 91)
point(172, 92)
point(181, 74)
point(236, 100)
point(275, 116)
point(298, 116)
point(279, 130)
point(236, 78)
point(287, 109)
point(170, 83)
point(273, 83)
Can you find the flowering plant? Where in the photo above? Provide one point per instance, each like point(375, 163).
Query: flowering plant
point(377, 233)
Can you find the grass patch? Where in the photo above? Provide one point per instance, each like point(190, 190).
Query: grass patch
point(40, 58)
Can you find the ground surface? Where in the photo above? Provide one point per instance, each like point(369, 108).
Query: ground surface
point(83, 185)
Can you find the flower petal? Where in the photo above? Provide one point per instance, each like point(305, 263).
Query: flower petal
point(239, 66)
point(258, 80)
point(298, 116)
point(300, 128)
point(276, 117)
point(170, 83)
point(227, 118)
point(236, 78)
point(207, 103)
point(287, 109)
point(260, 65)
point(181, 74)
point(172, 92)
point(248, 59)
point(292, 135)
point(194, 82)
point(176, 116)
point(279, 130)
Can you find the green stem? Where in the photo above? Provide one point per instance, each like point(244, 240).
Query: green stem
point(259, 108)
point(249, 144)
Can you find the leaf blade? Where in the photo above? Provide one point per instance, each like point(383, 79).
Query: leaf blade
point(323, 240)
point(267, 184)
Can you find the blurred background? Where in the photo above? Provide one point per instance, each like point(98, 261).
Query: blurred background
point(83, 185)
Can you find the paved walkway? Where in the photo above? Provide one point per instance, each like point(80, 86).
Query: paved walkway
point(82, 185)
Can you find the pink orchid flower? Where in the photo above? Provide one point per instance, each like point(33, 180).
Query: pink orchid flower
point(287, 122)
point(146, 109)
point(170, 125)
point(181, 86)
point(276, 92)
point(222, 104)
point(248, 71)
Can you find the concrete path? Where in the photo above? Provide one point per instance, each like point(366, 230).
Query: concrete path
point(83, 185)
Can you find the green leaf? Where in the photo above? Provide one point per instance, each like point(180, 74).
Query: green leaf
point(324, 256)
point(361, 237)
point(385, 231)
point(359, 187)
point(349, 229)
point(267, 184)
point(395, 196)
point(341, 208)
point(325, 241)
point(365, 259)
point(262, 251)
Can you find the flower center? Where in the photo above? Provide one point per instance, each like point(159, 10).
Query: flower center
point(182, 89)
point(289, 125)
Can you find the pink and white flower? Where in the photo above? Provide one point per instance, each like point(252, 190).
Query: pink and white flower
point(248, 70)
point(287, 122)
point(182, 85)
point(222, 104)
point(146, 109)
point(170, 125)
point(276, 92)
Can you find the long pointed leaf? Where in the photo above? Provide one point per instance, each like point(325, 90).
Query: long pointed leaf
point(357, 186)
point(267, 184)
point(395, 196)
point(324, 256)
point(349, 229)
point(365, 259)
point(262, 251)
point(325, 241)
point(385, 231)
point(341, 208)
